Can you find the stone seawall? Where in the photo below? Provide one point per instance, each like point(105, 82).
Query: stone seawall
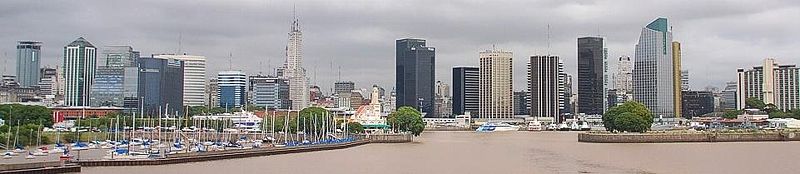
point(687, 137)
point(39, 168)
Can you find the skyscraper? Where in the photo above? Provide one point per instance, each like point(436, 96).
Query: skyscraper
point(343, 87)
point(194, 84)
point(465, 90)
point(161, 85)
point(495, 91)
point(678, 79)
point(592, 84)
point(521, 103)
point(28, 62)
point(653, 72)
point(116, 78)
point(232, 88)
point(298, 84)
point(80, 58)
point(414, 77)
point(728, 97)
point(48, 81)
point(772, 83)
point(685, 80)
point(546, 87)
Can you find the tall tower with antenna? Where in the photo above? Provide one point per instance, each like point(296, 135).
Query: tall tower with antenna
point(298, 83)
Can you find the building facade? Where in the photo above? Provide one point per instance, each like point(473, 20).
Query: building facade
point(194, 83)
point(160, 87)
point(653, 76)
point(443, 103)
point(495, 89)
point(697, 103)
point(293, 69)
point(772, 83)
point(80, 58)
point(414, 75)
point(343, 87)
point(28, 62)
point(546, 87)
point(118, 56)
point(269, 92)
point(465, 90)
point(677, 79)
point(521, 103)
point(232, 89)
point(592, 83)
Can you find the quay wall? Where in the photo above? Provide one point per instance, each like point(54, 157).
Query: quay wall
point(687, 137)
point(39, 168)
point(244, 153)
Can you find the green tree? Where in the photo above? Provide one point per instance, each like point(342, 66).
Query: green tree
point(731, 114)
point(26, 114)
point(407, 119)
point(633, 109)
point(754, 103)
point(355, 127)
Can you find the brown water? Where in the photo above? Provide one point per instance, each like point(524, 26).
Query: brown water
point(507, 152)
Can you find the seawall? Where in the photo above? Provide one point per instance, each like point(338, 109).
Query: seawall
point(687, 137)
point(39, 168)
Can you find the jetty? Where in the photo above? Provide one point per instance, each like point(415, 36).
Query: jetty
point(689, 137)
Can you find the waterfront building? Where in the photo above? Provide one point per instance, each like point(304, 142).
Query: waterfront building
point(623, 82)
point(415, 73)
point(342, 100)
point(653, 71)
point(232, 89)
point(269, 92)
point(677, 78)
point(465, 90)
point(495, 90)
point(592, 68)
point(357, 99)
point(772, 83)
point(28, 62)
point(546, 87)
point(728, 97)
point(79, 65)
point(443, 103)
point(370, 115)
point(697, 103)
point(160, 87)
point(194, 85)
point(568, 103)
point(521, 103)
point(116, 79)
point(50, 81)
point(685, 81)
point(390, 105)
point(211, 97)
point(293, 69)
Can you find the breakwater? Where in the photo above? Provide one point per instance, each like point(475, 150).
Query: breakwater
point(680, 137)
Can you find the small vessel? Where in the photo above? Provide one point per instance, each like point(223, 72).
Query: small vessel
point(574, 126)
point(30, 156)
point(552, 127)
point(497, 127)
point(534, 126)
point(585, 126)
point(563, 127)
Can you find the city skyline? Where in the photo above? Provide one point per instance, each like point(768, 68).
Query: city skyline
point(704, 28)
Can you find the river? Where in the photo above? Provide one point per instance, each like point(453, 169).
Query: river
point(506, 152)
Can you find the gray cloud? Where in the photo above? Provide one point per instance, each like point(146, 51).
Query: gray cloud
point(358, 35)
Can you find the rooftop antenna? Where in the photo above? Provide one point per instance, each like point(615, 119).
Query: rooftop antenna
point(5, 62)
point(548, 39)
point(180, 39)
point(230, 60)
point(339, 77)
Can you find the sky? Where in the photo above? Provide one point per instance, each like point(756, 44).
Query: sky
point(355, 38)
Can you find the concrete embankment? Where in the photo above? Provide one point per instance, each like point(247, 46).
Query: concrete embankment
point(39, 167)
point(680, 137)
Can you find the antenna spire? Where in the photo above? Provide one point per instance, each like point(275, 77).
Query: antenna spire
point(180, 39)
point(230, 60)
point(548, 39)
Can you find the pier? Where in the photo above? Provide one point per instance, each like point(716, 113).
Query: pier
point(687, 137)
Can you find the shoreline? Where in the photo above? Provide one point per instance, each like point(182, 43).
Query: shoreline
point(689, 137)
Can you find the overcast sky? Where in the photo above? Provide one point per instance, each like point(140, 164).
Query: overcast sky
point(358, 36)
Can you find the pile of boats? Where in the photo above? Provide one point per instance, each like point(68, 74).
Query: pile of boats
point(534, 126)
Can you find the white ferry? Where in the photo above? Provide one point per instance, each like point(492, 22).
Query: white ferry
point(497, 127)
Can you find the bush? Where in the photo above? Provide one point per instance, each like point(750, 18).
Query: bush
point(631, 123)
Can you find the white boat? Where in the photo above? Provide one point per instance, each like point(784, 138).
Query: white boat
point(574, 126)
point(552, 127)
point(497, 127)
point(534, 126)
point(563, 127)
point(30, 156)
point(585, 126)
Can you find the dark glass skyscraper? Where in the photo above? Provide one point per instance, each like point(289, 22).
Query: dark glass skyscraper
point(161, 85)
point(591, 75)
point(415, 71)
point(465, 90)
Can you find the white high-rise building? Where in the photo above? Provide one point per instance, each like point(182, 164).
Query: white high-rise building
point(772, 83)
point(623, 81)
point(194, 78)
point(495, 91)
point(653, 74)
point(298, 83)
